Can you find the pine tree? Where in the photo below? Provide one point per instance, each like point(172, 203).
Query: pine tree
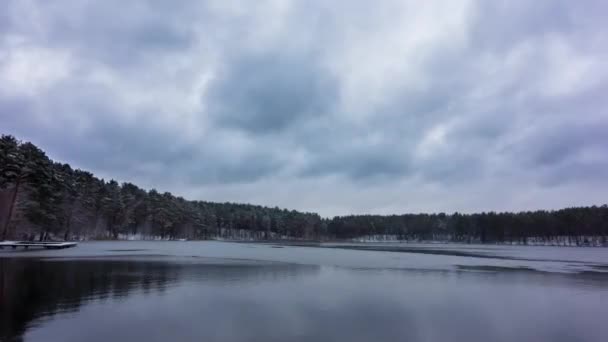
point(135, 208)
point(12, 174)
point(113, 208)
point(43, 188)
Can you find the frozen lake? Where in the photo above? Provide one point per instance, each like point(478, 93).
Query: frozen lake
point(219, 291)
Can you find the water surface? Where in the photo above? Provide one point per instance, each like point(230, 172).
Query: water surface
point(211, 291)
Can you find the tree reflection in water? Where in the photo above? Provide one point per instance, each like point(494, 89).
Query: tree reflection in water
point(32, 290)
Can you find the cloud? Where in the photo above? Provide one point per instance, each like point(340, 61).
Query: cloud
point(338, 107)
point(265, 94)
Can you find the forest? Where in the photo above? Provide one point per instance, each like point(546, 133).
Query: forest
point(41, 199)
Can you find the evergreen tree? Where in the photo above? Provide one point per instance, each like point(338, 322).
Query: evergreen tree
point(43, 187)
point(12, 174)
point(113, 209)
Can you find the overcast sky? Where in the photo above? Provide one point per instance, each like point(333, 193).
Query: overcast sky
point(330, 106)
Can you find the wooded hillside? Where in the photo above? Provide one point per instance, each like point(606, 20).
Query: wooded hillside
point(42, 199)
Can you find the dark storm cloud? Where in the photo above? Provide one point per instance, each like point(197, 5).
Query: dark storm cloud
point(269, 93)
point(244, 170)
point(108, 144)
point(103, 142)
point(359, 164)
point(337, 105)
point(590, 172)
point(561, 143)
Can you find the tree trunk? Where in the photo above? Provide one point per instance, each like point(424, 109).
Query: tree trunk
point(44, 235)
point(112, 228)
point(10, 210)
point(67, 230)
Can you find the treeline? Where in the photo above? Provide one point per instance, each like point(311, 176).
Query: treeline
point(581, 226)
point(42, 199)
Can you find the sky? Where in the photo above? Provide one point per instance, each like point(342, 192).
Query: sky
point(336, 107)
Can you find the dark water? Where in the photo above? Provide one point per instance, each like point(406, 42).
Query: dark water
point(158, 297)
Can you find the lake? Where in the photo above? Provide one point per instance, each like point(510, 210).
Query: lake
point(220, 291)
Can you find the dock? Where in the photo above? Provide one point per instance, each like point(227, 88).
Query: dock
point(31, 244)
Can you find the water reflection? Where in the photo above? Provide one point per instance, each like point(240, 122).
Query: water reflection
point(196, 299)
point(32, 289)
